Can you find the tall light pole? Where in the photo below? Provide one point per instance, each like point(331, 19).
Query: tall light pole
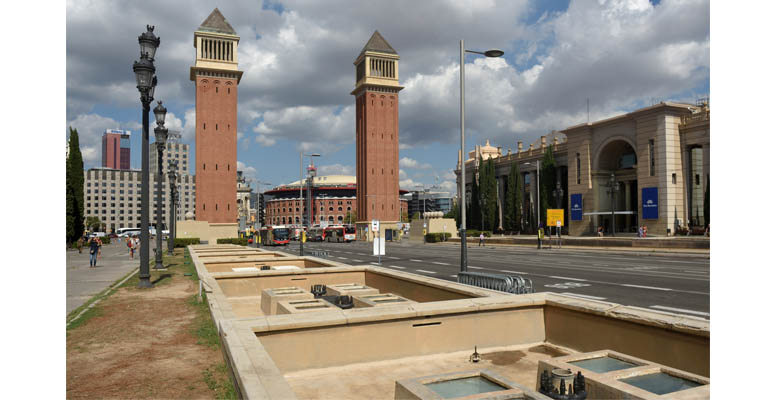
point(144, 69)
point(301, 202)
point(259, 211)
point(488, 53)
point(172, 166)
point(612, 187)
point(161, 134)
point(537, 163)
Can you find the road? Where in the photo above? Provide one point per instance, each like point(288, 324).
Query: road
point(671, 282)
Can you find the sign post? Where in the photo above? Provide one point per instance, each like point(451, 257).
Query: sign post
point(379, 246)
point(554, 217)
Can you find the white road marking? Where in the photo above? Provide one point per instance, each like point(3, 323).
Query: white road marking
point(396, 266)
point(512, 272)
point(584, 295)
point(427, 272)
point(681, 310)
point(357, 260)
point(416, 260)
point(342, 258)
point(647, 287)
point(439, 263)
point(475, 267)
point(394, 258)
point(453, 276)
point(569, 279)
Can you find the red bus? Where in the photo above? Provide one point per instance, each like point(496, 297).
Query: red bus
point(340, 233)
point(274, 235)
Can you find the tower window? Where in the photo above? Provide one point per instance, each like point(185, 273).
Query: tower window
point(204, 166)
point(216, 127)
point(673, 178)
point(228, 90)
point(204, 126)
point(216, 206)
point(216, 167)
point(217, 89)
point(204, 206)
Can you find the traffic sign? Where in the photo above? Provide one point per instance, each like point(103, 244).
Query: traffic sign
point(553, 216)
point(375, 225)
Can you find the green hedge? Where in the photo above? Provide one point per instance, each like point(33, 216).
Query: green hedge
point(238, 241)
point(475, 233)
point(184, 242)
point(105, 239)
point(437, 237)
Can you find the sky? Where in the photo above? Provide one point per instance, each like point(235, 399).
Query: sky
point(297, 61)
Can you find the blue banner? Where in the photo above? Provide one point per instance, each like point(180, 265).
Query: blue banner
point(650, 203)
point(576, 207)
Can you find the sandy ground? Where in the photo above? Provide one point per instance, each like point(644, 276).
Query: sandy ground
point(143, 345)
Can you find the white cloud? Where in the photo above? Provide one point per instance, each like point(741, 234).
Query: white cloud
point(336, 169)
point(248, 171)
point(90, 128)
point(264, 140)
point(406, 162)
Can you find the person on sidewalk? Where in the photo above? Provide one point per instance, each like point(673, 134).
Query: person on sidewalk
point(80, 245)
point(481, 240)
point(93, 245)
point(130, 244)
point(540, 236)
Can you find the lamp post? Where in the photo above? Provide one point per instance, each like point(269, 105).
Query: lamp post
point(537, 163)
point(172, 166)
point(488, 53)
point(144, 69)
point(259, 210)
point(612, 187)
point(301, 202)
point(161, 134)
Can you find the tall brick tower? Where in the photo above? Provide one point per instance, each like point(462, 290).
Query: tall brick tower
point(216, 78)
point(376, 95)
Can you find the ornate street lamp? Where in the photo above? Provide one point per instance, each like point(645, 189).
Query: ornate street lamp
point(161, 134)
point(302, 225)
point(612, 187)
point(144, 70)
point(172, 184)
point(464, 243)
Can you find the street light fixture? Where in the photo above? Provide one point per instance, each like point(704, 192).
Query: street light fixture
point(172, 175)
point(146, 81)
point(488, 53)
point(161, 134)
point(613, 186)
point(537, 163)
point(259, 211)
point(301, 202)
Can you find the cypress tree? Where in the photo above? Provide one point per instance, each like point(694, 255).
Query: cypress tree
point(474, 209)
point(489, 191)
point(512, 209)
point(74, 186)
point(548, 182)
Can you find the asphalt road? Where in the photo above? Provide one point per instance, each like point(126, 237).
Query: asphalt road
point(670, 282)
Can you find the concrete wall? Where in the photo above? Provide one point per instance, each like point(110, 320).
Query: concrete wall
point(205, 231)
point(412, 290)
point(239, 285)
point(340, 345)
point(580, 331)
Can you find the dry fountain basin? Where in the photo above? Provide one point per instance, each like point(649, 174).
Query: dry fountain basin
point(362, 352)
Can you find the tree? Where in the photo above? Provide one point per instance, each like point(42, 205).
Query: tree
point(350, 218)
point(93, 223)
point(512, 217)
point(74, 187)
point(415, 215)
point(473, 213)
point(707, 204)
point(488, 191)
point(547, 182)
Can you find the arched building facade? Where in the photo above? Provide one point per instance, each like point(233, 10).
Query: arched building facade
point(658, 157)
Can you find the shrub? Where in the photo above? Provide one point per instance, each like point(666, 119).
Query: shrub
point(437, 237)
point(184, 242)
point(475, 233)
point(238, 241)
point(105, 239)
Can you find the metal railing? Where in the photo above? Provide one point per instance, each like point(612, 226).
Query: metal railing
point(503, 283)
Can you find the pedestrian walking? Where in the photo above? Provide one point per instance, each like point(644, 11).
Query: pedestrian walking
point(540, 236)
point(80, 245)
point(644, 231)
point(481, 240)
point(130, 244)
point(93, 246)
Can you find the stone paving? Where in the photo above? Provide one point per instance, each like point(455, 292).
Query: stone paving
point(84, 282)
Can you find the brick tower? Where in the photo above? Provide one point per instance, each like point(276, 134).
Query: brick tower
point(376, 95)
point(216, 78)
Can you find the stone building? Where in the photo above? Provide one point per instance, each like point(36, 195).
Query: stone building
point(216, 78)
point(114, 196)
point(658, 155)
point(173, 151)
point(376, 92)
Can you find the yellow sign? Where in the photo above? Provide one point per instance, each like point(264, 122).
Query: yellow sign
point(424, 231)
point(554, 216)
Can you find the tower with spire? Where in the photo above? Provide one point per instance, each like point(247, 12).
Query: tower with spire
point(216, 78)
point(376, 93)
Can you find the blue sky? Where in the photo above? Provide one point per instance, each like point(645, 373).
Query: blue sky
point(297, 61)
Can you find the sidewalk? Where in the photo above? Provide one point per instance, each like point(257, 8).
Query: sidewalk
point(84, 282)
